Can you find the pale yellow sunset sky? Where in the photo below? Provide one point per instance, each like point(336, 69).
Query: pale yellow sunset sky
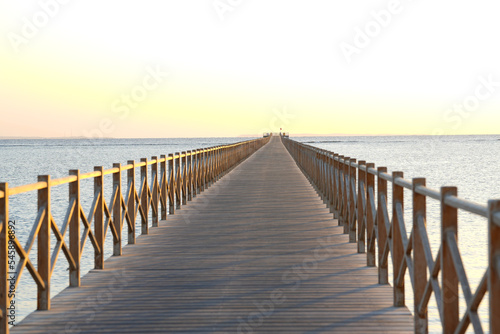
point(193, 68)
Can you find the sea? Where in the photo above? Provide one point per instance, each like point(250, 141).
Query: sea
point(471, 163)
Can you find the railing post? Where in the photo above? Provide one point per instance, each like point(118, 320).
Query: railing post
point(154, 192)
point(201, 171)
point(198, 170)
point(144, 197)
point(43, 300)
point(321, 175)
point(184, 177)
point(99, 218)
point(383, 271)
point(419, 263)
point(449, 278)
point(4, 250)
point(494, 265)
point(211, 167)
point(131, 201)
point(361, 209)
point(74, 229)
point(331, 187)
point(171, 184)
point(336, 188)
point(117, 212)
point(316, 171)
point(163, 186)
point(344, 176)
point(217, 163)
point(352, 206)
point(205, 169)
point(397, 240)
point(189, 167)
point(324, 161)
point(194, 172)
point(178, 180)
point(370, 224)
point(213, 163)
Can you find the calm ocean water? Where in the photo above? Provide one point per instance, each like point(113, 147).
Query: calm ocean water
point(469, 162)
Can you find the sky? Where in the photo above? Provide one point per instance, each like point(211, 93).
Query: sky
point(205, 68)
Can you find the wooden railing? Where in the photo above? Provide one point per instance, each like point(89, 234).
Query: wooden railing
point(357, 194)
point(169, 184)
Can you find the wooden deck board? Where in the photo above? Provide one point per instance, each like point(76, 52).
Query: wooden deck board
point(256, 252)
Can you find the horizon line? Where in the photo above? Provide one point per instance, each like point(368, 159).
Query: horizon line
point(258, 136)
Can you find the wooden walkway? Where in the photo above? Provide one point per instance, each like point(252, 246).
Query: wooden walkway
point(256, 252)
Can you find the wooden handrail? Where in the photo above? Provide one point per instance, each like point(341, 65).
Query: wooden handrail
point(69, 179)
point(166, 182)
point(363, 208)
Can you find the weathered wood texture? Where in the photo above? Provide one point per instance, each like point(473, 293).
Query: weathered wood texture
point(256, 252)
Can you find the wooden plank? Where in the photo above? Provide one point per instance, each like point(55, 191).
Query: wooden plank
point(256, 252)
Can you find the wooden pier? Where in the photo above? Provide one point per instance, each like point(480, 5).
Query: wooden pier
point(258, 252)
